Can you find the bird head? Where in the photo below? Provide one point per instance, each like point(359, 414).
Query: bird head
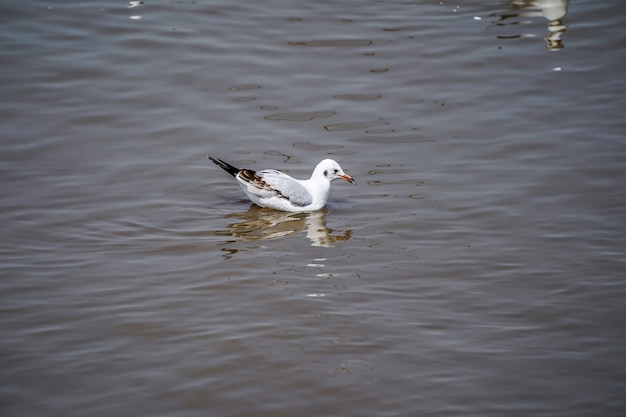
point(331, 170)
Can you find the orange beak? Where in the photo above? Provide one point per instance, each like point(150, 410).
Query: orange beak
point(348, 178)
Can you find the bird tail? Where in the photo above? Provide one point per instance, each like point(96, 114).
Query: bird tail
point(224, 165)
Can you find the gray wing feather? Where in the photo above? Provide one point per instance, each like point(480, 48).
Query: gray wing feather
point(287, 187)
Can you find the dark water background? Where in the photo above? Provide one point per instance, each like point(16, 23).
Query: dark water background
point(477, 269)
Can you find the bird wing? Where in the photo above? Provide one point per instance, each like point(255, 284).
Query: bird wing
point(271, 183)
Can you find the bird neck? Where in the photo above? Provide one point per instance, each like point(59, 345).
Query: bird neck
point(319, 187)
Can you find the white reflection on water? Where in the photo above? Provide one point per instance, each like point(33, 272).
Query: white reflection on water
point(552, 10)
point(265, 224)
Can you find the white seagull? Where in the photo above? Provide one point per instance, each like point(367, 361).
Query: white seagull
point(277, 190)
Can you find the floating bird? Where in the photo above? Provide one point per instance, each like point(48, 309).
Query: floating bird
point(274, 189)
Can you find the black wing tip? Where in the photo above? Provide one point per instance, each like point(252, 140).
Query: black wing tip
point(232, 170)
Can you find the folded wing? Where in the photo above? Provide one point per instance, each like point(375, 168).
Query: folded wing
point(271, 183)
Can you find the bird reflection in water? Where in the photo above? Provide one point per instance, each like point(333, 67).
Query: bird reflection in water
point(266, 224)
point(552, 10)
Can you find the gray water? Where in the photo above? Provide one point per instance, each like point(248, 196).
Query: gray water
point(477, 269)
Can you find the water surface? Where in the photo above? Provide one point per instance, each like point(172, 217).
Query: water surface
point(476, 269)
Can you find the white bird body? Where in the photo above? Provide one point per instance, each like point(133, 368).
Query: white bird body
point(274, 189)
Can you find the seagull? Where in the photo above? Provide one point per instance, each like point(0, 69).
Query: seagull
point(276, 190)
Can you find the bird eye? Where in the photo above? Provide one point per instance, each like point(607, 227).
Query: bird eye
point(336, 171)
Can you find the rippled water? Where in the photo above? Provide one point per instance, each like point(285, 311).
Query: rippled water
point(476, 269)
